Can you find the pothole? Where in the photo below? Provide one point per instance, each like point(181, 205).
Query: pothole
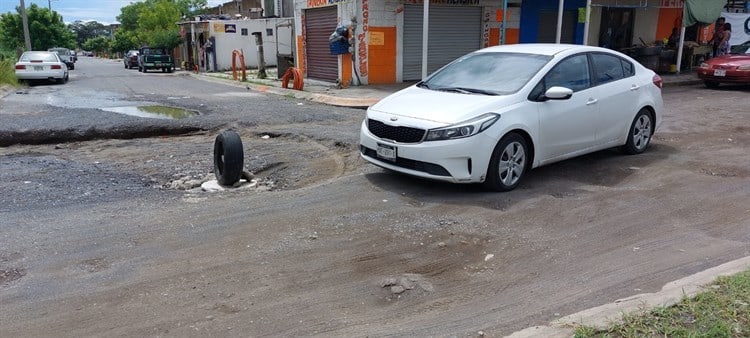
point(11, 274)
point(153, 112)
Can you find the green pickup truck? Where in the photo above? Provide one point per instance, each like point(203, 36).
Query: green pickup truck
point(155, 58)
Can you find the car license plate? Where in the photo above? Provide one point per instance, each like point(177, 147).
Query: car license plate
point(387, 152)
point(720, 72)
point(38, 68)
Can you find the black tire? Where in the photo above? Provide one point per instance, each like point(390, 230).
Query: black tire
point(639, 134)
point(72, 66)
point(170, 69)
point(711, 84)
point(509, 163)
point(228, 158)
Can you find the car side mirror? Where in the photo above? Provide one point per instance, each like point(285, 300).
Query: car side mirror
point(558, 93)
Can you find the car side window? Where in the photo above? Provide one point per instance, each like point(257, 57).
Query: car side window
point(607, 68)
point(627, 68)
point(572, 73)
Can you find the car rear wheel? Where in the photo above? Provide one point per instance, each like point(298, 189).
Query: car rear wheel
point(711, 84)
point(639, 135)
point(508, 164)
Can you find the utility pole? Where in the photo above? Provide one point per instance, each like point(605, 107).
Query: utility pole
point(25, 22)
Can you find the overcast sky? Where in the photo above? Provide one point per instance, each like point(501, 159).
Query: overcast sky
point(103, 11)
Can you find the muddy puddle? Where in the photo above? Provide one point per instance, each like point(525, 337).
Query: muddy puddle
point(153, 112)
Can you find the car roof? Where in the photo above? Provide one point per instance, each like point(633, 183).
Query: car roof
point(540, 48)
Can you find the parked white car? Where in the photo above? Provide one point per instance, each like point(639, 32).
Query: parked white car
point(39, 65)
point(490, 116)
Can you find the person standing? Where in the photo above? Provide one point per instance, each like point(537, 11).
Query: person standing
point(716, 38)
point(726, 34)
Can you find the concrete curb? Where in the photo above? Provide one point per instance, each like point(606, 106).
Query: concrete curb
point(5, 90)
point(361, 103)
point(603, 316)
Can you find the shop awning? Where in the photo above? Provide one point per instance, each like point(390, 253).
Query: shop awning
point(701, 11)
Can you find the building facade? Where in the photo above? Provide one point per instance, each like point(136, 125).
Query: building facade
point(385, 36)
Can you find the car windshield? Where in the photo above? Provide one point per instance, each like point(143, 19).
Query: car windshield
point(487, 73)
point(38, 56)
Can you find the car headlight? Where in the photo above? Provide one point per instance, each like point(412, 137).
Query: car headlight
point(744, 67)
point(463, 129)
point(704, 65)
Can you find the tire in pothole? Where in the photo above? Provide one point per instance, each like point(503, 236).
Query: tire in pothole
point(228, 157)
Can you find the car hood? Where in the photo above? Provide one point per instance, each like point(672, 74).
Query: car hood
point(730, 60)
point(437, 108)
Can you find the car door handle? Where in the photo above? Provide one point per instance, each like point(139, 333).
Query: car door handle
point(591, 101)
point(635, 87)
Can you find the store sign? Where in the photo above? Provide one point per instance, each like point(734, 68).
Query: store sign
point(446, 2)
point(230, 28)
point(323, 3)
point(672, 4)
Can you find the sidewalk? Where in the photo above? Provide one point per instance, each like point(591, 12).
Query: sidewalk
point(361, 96)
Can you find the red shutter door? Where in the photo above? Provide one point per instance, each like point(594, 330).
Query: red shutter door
point(320, 23)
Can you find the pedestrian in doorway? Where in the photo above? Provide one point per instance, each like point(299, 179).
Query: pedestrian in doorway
point(716, 38)
point(726, 34)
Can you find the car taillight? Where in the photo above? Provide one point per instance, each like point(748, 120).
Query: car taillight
point(56, 67)
point(658, 81)
point(20, 67)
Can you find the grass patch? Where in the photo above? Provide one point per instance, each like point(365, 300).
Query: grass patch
point(8, 72)
point(723, 310)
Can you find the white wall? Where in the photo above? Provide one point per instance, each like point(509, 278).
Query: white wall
point(227, 42)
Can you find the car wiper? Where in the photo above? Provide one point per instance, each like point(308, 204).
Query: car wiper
point(465, 90)
point(423, 84)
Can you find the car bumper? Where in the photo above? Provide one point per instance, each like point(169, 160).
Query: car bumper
point(730, 77)
point(40, 75)
point(458, 161)
point(157, 65)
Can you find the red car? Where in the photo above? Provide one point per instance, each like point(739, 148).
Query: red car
point(131, 59)
point(732, 68)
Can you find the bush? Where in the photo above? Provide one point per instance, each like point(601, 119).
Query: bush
point(8, 72)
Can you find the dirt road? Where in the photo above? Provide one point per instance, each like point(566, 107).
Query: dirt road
point(331, 246)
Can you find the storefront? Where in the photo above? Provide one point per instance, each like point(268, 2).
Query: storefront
point(386, 37)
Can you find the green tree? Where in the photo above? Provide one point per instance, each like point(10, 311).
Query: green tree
point(99, 44)
point(154, 22)
point(87, 30)
point(46, 29)
point(124, 41)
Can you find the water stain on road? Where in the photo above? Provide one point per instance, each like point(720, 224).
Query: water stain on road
point(153, 112)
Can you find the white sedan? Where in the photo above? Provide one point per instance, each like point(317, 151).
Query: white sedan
point(490, 116)
point(37, 65)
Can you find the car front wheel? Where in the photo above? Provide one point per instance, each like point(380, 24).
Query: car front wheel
point(508, 164)
point(639, 135)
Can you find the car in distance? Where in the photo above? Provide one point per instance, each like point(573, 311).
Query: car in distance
point(131, 59)
point(730, 68)
point(154, 58)
point(40, 65)
point(66, 56)
point(491, 115)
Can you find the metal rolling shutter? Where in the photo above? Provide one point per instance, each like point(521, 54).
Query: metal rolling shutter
point(319, 24)
point(454, 31)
